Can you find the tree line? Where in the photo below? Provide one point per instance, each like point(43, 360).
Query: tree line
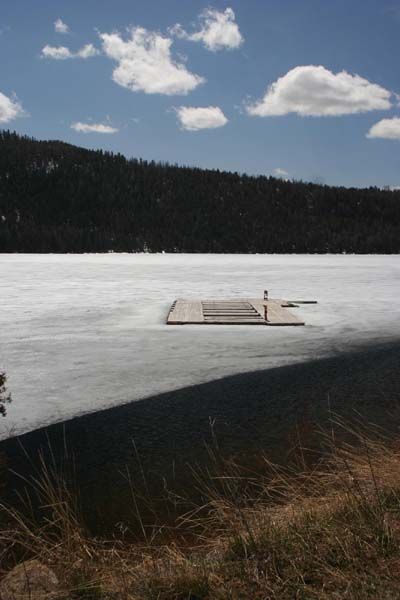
point(56, 197)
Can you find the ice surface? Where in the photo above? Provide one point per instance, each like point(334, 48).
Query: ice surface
point(84, 332)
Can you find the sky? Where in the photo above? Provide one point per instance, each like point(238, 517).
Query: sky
point(300, 89)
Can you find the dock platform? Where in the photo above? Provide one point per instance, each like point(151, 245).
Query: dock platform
point(253, 311)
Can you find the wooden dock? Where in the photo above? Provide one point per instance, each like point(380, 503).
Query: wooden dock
point(232, 312)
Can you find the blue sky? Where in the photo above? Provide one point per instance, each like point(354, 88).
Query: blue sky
point(123, 76)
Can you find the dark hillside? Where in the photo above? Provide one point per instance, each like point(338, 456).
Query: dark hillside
point(55, 197)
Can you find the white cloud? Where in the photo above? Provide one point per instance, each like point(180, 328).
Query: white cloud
point(64, 53)
point(281, 173)
point(194, 118)
point(315, 91)
point(388, 129)
point(218, 30)
point(145, 63)
point(87, 51)
point(56, 52)
point(93, 128)
point(60, 26)
point(10, 109)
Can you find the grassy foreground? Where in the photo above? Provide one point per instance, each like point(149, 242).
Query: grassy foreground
point(324, 528)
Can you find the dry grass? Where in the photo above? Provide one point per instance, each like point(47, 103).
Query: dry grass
point(327, 531)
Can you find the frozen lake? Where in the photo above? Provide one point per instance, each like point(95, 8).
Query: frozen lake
point(84, 332)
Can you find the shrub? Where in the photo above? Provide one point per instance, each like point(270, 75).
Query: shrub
point(5, 397)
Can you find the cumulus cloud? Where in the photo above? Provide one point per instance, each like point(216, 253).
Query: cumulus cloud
point(316, 91)
point(60, 26)
point(10, 109)
point(145, 63)
point(281, 173)
point(93, 128)
point(56, 52)
point(194, 118)
point(218, 30)
point(388, 129)
point(87, 51)
point(64, 53)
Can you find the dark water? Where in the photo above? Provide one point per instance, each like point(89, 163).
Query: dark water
point(246, 413)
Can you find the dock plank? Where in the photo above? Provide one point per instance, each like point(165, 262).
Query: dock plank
point(185, 312)
point(278, 315)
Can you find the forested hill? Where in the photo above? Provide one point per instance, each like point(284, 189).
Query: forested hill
point(55, 197)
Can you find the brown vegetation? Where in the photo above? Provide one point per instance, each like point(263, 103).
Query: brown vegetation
point(330, 530)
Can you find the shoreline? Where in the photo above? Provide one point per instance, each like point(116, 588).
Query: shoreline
point(245, 413)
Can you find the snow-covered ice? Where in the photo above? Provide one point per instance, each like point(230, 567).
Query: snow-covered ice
point(84, 332)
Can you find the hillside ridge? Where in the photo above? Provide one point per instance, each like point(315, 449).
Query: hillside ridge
point(56, 197)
